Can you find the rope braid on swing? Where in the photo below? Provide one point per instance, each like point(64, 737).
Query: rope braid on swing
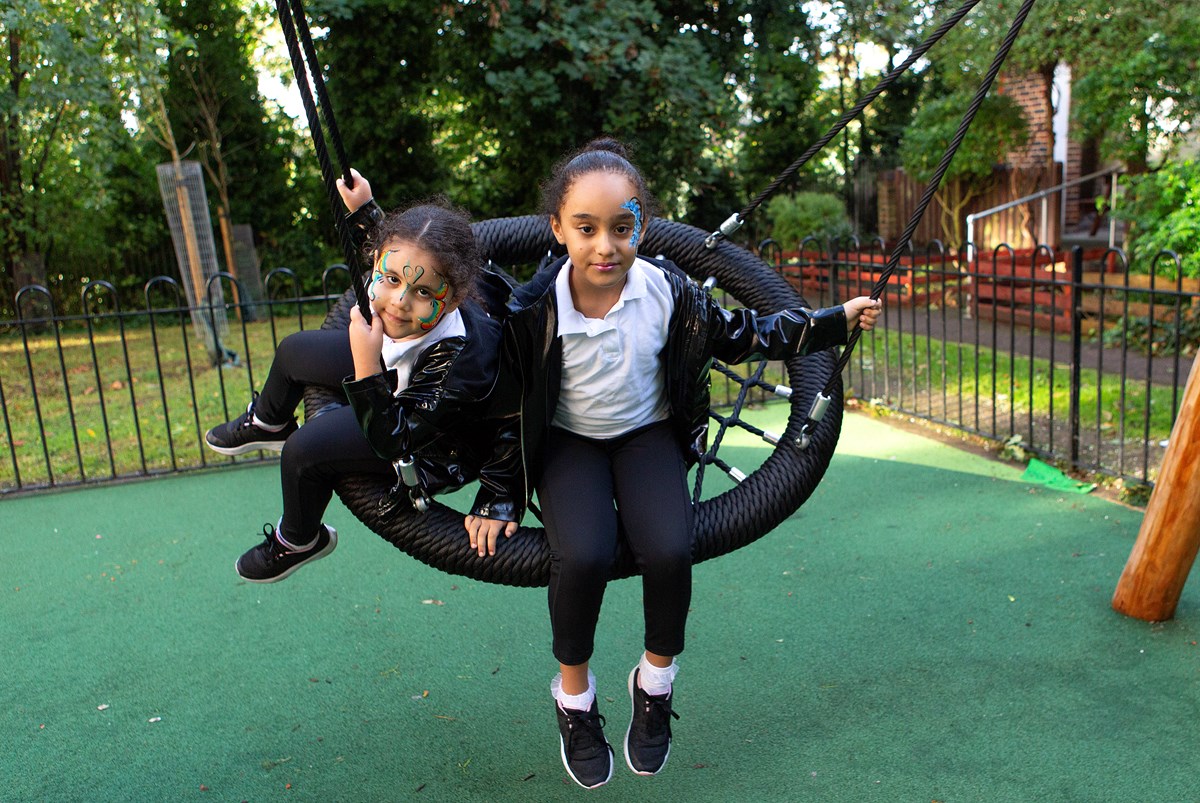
point(306, 68)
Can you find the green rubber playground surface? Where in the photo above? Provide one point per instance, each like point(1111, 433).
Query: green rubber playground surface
point(927, 627)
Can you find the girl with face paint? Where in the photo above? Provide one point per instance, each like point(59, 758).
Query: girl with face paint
point(415, 381)
point(606, 359)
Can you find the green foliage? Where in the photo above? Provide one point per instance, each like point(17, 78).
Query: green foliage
point(780, 76)
point(385, 84)
point(71, 71)
point(1162, 210)
point(807, 214)
point(998, 128)
point(540, 81)
point(1135, 83)
point(218, 115)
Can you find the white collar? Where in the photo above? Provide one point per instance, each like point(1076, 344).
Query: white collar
point(571, 321)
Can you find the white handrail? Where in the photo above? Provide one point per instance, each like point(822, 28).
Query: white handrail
point(1042, 195)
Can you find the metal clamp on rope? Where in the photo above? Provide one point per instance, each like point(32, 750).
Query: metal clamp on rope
point(406, 470)
point(819, 406)
point(727, 229)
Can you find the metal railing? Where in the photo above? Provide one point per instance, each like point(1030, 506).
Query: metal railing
point(1044, 196)
point(1082, 364)
point(121, 394)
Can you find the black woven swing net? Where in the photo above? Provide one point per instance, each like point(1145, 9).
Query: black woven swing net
point(739, 516)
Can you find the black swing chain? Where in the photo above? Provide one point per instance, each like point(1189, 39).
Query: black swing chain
point(737, 219)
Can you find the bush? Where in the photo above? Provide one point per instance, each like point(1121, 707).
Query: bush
point(805, 214)
point(1163, 212)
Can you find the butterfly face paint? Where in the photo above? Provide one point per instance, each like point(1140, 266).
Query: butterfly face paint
point(634, 205)
point(409, 299)
point(438, 306)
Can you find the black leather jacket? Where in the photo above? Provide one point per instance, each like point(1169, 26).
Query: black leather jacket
point(440, 419)
point(699, 331)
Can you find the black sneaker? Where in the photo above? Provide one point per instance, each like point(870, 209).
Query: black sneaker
point(241, 435)
point(271, 561)
point(648, 740)
point(585, 752)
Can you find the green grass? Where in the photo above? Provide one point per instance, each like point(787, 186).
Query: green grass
point(154, 412)
point(1022, 386)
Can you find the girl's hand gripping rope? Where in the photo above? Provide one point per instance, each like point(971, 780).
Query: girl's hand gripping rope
point(863, 311)
point(354, 197)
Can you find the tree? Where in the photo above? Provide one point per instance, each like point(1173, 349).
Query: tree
point(541, 80)
point(70, 76)
point(385, 85)
point(779, 74)
point(216, 112)
point(1136, 82)
point(998, 128)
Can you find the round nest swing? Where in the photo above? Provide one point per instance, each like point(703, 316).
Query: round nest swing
point(735, 518)
point(761, 500)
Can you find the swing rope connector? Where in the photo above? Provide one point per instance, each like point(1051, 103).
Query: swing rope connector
point(816, 413)
point(727, 229)
point(406, 475)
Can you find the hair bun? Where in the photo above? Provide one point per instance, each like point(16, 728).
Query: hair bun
point(607, 144)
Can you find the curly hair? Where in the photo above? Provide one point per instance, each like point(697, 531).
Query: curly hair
point(443, 230)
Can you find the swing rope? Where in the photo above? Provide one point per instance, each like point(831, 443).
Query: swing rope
point(291, 20)
point(735, 221)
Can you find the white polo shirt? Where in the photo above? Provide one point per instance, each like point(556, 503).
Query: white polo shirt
point(402, 354)
point(612, 372)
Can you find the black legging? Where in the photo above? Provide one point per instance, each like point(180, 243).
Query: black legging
point(644, 473)
point(328, 446)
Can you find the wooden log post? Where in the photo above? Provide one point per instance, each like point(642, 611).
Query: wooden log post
point(1169, 537)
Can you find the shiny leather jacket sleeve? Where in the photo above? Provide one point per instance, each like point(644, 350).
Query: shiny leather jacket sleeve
point(361, 221)
point(404, 423)
point(501, 494)
point(743, 334)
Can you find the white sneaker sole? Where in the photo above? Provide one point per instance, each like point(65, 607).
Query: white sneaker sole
point(562, 752)
point(232, 451)
point(328, 548)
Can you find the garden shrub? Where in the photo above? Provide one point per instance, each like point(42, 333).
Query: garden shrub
point(1163, 212)
point(804, 214)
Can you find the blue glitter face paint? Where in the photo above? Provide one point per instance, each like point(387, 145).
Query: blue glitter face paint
point(634, 205)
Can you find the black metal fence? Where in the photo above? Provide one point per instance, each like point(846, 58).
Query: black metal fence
point(1073, 359)
point(119, 394)
point(1069, 356)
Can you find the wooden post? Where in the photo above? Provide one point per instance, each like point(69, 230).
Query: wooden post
point(1169, 538)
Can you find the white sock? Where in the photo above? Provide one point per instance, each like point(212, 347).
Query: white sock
point(576, 702)
point(294, 547)
point(258, 422)
point(656, 680)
